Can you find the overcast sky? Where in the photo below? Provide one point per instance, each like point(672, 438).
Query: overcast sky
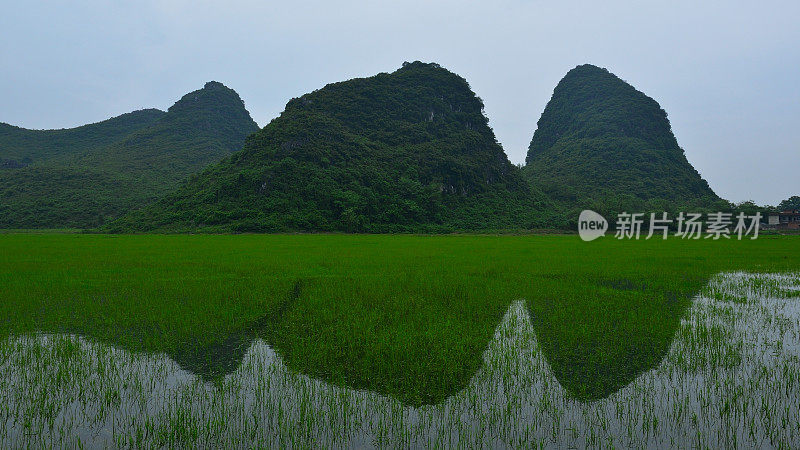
point(726, 72)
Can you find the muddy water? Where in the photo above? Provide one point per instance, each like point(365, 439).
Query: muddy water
point(731, 378)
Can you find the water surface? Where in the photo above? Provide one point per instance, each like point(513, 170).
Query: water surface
point(730, 378)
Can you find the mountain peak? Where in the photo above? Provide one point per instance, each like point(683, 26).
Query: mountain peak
point(599, 137)
point(420, 65)
point(404, 151)
point(214, 85)
point(91, 174)
point(592, 102)
point(588, 68)
point(214, 95)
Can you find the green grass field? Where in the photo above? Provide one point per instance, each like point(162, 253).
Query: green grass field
point(407, 316)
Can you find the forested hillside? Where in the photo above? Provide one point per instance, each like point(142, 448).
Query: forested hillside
point(602, 144)
point(21, 147)
point(405, 151)
point(86, 176)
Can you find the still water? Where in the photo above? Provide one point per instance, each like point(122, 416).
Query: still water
point(730, 378)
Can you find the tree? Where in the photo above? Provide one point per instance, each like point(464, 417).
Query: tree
point(790, 203)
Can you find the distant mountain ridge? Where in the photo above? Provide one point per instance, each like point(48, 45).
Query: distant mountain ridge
point(26, 146)
point(85, 176)
point(600, 143)
point(407, 151)
point(404, 151)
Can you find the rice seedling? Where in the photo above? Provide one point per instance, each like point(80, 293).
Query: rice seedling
point(388, 341)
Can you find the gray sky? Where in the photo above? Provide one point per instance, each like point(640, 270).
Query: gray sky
point(726, 72)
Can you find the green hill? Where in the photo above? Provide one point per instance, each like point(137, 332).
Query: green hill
point(20, 147)
point(406, 151)
point(85, 176)
point(602, 144)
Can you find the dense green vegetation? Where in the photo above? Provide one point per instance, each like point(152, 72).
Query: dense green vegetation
point(409, 151)
point(603, 145)
point(86, 176)
point(406, 151)
point(791, 203)
point(20, 147)
point(407, 316)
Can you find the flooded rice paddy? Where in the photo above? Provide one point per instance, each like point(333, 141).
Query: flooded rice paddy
point(730, 379)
